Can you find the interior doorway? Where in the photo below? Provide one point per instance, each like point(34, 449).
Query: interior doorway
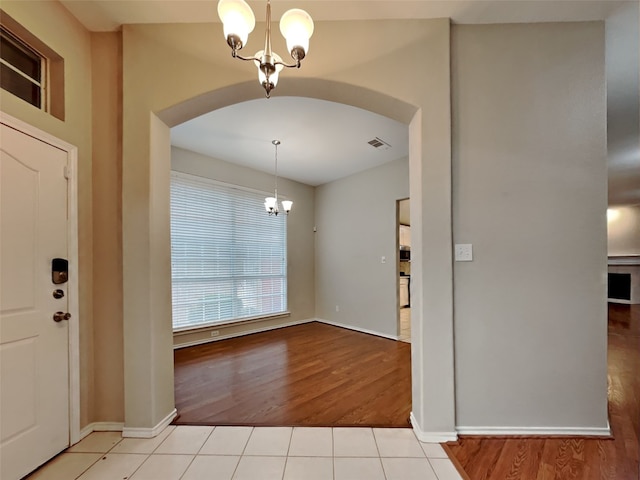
point(403, 227)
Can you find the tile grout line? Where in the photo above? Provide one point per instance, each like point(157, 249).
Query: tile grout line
point(286, 458)
point(434, 470)
point(333, 454)
point(375, 440)
point(197, 453)
point(244, 449)
point(103, 455)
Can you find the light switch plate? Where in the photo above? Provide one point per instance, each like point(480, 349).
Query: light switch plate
point(463, 252)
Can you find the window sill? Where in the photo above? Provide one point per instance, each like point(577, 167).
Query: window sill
point(213, 325)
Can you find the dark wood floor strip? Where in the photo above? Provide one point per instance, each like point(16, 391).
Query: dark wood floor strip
point(307, 375)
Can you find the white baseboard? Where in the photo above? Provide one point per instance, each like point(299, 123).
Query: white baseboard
point(619, 300)
point(130, 432)
point(537, 431)
point(431, 437)
point(101, 427)
point(357, 329)
point(240, 334)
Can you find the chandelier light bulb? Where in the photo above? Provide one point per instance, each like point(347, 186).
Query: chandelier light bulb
point(286, 206)
point(271, 205)
point(296, 27)
point(238, 21)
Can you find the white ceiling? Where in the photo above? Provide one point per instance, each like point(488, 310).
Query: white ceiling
point(332, 143)
point(321, 141)
point(106, 15)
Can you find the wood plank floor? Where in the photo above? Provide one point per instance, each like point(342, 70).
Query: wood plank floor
point(307, 375)
point(567, 458)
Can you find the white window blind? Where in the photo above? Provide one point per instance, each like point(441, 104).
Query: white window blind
point(228, 256)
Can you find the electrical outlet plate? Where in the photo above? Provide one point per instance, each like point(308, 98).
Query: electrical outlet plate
point(463, 252)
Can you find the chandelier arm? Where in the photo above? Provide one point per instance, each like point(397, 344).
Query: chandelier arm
point(246, 59)
point(293, 65)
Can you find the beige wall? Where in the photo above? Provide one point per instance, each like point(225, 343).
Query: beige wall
point(108, 378)
point(54, 26)
point(623, 231)
point(356, 223)
point(300, 240)
point(530, 194)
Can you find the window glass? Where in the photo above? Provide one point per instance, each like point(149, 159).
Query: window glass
point(20, 69)
point(228, 256)
point(20, 86)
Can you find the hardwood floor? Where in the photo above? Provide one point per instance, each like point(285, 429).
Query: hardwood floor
point(572, 458)
point(307, 375)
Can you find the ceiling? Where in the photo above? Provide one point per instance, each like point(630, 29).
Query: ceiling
point(318, 147)
point(332, 143)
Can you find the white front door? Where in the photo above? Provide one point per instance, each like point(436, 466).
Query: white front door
point(34, 349)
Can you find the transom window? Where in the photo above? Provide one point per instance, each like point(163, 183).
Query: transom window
point(22, 70)
point(228, 257)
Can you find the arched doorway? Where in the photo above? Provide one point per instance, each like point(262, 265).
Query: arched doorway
point(146, 160)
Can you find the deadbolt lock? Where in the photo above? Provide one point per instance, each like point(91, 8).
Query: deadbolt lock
point(57, 293)
point(60, 316)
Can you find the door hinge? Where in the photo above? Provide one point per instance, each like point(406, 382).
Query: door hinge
point(67, 172)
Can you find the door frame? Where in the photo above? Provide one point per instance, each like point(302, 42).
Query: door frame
point(72, 249)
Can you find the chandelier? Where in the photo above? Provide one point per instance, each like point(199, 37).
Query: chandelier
point(239, 21)
point(271, 203)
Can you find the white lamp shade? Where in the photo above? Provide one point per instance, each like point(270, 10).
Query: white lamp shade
point(237, 18)
point(296, 27)
point(270, 204)
point(274, 76)
point(286, 205)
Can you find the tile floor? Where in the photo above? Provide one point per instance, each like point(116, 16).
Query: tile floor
point(253, 453)
point(405, 325)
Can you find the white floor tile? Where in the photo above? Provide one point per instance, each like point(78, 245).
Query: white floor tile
point(260, 468)
point(397, 442)
point(311, 442)
point(97, 442)
point(309, 468)
point(114, 466)
point(163, 467)
point(434, 450)
point(354, 442)
point(227, 441)
point(67, 466)
point(211, 467)
point(269, 441)
point(408, 469)
point(358, 469)
point(142, 445)
point(261, 453)
point(185, 440)
point(444, 469)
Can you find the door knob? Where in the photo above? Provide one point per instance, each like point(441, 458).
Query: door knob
point(60, 316)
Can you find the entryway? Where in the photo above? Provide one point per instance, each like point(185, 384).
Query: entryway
point(404, 270)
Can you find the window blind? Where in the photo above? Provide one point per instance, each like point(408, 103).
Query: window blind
point(228, 256)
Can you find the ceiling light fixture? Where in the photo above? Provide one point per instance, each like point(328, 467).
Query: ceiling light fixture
point(271, 203)
point(239, 21)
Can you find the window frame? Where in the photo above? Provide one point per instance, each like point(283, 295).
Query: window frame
point(41, 83)
point(52, 95)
